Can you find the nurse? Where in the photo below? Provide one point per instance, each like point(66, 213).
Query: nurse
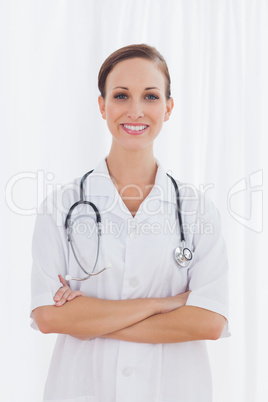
point(137, 331)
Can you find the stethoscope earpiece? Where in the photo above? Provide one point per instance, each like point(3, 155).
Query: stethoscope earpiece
point(71, 278)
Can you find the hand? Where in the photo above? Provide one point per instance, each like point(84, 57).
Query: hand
point(173, 302)
point(65, 294)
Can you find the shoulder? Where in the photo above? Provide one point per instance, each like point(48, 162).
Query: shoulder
point(198, 211)
point(57, 203)
point(62, 195)
point(194, 199)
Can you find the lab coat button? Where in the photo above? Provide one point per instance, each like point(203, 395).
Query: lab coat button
point(127, 372)
point(134, 282)
point(132, 235)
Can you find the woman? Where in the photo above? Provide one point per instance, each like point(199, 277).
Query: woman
point(138, 333)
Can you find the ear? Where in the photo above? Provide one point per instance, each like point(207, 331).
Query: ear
point(101, 102)
point(169, 107)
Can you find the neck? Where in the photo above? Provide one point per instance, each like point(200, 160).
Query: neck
point(132, 167)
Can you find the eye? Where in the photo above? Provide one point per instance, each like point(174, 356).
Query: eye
point(120, 96)
point(152, 97)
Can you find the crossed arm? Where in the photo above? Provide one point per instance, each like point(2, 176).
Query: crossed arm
point(152, 320)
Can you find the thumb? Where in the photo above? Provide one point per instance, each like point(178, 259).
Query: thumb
point(63, 281)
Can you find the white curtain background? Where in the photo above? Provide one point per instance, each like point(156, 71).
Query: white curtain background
point(51, 132)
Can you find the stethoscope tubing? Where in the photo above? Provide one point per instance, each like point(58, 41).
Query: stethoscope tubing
point(182, 254)
point(178, 206)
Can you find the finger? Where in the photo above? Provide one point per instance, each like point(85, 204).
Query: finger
point(75, 294)
point(60, 292)
point(64, 297)
point(63, 281)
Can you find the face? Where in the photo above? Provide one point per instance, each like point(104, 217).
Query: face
point(135, 106)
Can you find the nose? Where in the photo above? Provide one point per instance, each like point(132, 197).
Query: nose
point(135, 110)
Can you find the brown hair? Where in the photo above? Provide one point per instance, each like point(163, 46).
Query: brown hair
point(129, 52)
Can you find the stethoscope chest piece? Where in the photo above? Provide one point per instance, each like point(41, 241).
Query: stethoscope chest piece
point(183, 255)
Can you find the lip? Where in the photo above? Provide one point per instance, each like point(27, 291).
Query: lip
point(134, 132)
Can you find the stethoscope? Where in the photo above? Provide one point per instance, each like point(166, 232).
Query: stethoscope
point(182, 254)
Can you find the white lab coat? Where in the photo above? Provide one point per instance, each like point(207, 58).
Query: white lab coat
point(141, 251)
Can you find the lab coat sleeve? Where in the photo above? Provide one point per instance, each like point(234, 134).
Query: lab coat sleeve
point(208, 273)
point(49, 253)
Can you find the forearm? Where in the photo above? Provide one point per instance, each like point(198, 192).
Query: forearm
point(184, 324)
point(91, 317)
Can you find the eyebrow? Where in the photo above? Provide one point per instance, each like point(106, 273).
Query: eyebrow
point(146, 89)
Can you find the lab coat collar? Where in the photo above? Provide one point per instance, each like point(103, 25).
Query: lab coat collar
point(99, 184)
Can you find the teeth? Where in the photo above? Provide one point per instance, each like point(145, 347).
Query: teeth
point(134, 128)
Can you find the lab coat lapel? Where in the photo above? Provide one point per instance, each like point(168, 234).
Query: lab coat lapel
point(100, 189)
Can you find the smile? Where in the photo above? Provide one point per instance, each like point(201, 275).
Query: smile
point(137, 129)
